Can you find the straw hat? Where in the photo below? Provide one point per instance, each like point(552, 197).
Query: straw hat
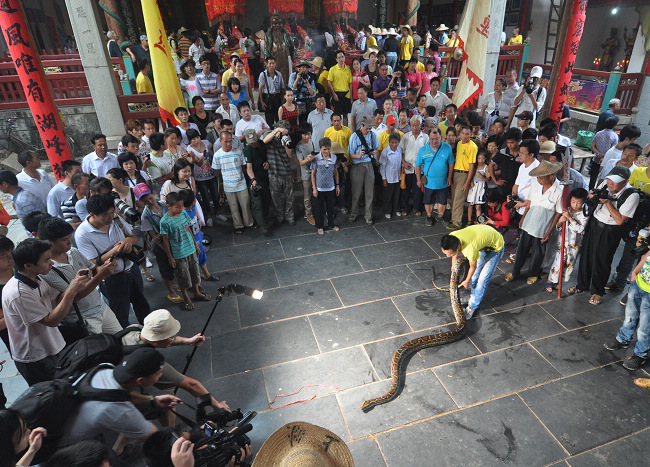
point(337, 148)
point(182, 30)
point(407, 27)
point(458, 53)
point(373, 30)
point(442, 27)
point(547, 147)
point(370, 50)
point(317, 62)
point(260, 34)
point(546, 168)
point(392, 32)
point(384, 32)
point(301, 444)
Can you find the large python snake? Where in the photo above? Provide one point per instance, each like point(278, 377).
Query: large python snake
point(400, 359)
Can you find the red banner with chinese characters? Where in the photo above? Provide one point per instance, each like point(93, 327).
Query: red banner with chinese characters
point(333, 7)
point(30, 71)
point(216, 8)
point(571, 44)
point(287, 6)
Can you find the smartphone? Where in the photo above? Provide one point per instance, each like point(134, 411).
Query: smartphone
point(111, 258)
point(85, 273)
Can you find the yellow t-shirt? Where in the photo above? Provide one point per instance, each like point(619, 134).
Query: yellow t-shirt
point(442, 126)
point(371, 42)
point(465, 155)
point(341, 136)
point(225, 77)
point(322, 79)
point(340, 79)
point(516, 40)
point(405, 45)
point(475, 238)
point(384, 139)
point(640, 179)
point(419, 67)
point(143, 84)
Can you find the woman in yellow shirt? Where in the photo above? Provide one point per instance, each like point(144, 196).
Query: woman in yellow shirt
point(516, 38)
point(405, 45)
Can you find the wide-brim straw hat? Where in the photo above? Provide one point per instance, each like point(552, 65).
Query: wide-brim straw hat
point(384, 32)
point(546, 168)
point(337, 148)
point(182, 30)
point(260, 34)
point(317, 62)
point(301, 444)
point(547, 147)
point(442, 27)
point(392, 32)
point(370, 50)
point(407, 27)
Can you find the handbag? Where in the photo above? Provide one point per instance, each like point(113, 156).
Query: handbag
point(72, 332)
point(423, 178)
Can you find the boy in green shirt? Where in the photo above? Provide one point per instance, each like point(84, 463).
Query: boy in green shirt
point(181, 249)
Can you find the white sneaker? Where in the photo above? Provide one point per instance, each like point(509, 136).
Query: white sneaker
point(221, 217)
point(209, 222)
point(469, 312)
point(387, 216)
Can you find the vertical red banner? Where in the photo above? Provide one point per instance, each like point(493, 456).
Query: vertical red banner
point(571, 44)
point(32, 77)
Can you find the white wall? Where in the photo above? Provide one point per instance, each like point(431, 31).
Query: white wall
point(539, 18)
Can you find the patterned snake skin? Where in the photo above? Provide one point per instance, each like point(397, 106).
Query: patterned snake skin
point(397, 367)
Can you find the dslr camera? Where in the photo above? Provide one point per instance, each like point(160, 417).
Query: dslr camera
point(285, 140)
point(130, 214)
point(305, 76)
point(592, 203)
point(530, 85)
point(512, 200)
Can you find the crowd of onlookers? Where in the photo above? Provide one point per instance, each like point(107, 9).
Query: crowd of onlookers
point(377, 138)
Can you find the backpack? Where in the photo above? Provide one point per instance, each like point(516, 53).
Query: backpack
point(641, 217)
point(82, 355)
point(48, 404)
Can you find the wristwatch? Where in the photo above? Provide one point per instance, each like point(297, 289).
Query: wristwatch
point(152, 402)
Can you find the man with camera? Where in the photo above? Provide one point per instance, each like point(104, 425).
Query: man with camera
point(531, 97)
point(304, 87)
point(102, 237)
point(363, 148)
point(278, 155)
point(612, 204)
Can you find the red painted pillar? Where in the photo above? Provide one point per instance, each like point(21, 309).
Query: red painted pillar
point(32, 77)
point(569, 50)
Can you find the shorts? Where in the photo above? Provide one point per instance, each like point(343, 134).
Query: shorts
point(343, 105)
point(440, 196)
point(187, 272)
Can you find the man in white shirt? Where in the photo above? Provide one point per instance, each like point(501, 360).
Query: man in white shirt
point(628, 135)
point(320, 120)
point(63, 190)
point(248, 120)
point(227, 110)
point(436, 98)
point(32, 312)
point(32, 178)
point(361, 107)
point(628, 158)
point(378, 125)
point(411, 144)
point(529, 101)
point(512, 88)
point(524, 180)
point(100, 160)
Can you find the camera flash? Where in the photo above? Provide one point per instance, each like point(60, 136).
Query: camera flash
point(257, 294)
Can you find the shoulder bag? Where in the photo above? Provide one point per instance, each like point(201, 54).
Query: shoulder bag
point(424, 178)
point(75, 331)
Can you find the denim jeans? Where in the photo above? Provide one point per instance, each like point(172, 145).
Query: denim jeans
point(391, 59)
point(637, 318)
point(487, 263)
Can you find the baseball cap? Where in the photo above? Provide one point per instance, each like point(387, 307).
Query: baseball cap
point(619, 174)
point(143, 37)
point(140, 190)
point(536, 72)
point(525, 115)
point(367, 121)
point(160, 325)
point(250, 136)
point(143, 362)
point(391, 120)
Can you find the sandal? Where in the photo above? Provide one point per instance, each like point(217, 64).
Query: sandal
point(643, 382)
point(239, 231)
point(511, 259)
point(321, 231)
point(175, 299)
point(212, 278)
point(531, 280)
point(418, 213)
point(596, 299)
point(510, 277)
point(147, 275)
point(188, 306)
point(550, 287)
point(574, 290)
point(203, 297)
point(335, 228)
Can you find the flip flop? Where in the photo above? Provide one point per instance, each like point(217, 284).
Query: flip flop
point(531, 280)
point(176, 299)
point(188, 306)
point(204, 297)
point(550, 287)
point(574, 290)
point(510, 259)
point(510, 277)
point(596, 299)
point(643, 382)
point(212, 278)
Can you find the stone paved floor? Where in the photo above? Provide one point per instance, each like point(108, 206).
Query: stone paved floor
point(530, 384)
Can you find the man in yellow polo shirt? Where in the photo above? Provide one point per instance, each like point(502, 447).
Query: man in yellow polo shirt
point(339, 79)
point(405, 45)
point(338, 132)
point(391, 125)
point(482, 245)
point(450, 119)
point(640, 179)
point(371, 41)
point(464, 169)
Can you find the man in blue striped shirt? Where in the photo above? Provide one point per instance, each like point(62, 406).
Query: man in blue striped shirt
point(209, 86)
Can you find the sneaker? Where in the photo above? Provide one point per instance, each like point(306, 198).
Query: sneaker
point(633, 363)
point(343, 211)
point(369, 221)
point(623, 300)
point(221, 217)
point(209, 222)
point(353, 218)
point(429, 221)
point(387, 216)
point(469, 312)
point(615, 345)
point(399, 214)
point(311, 220)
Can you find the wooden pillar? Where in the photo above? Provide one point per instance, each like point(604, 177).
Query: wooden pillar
point(559, 45)
point(113, 24)
point(411, 5)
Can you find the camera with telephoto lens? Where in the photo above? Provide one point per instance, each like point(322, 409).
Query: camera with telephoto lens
point(304, 75)
point(592, 202)
point(512, 201)
point(130, 214)
point(285, 140)
point(530, 85)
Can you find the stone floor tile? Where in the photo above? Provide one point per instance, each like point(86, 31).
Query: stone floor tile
point(411, 227)
point(390, 254)
point(575, 311)
point(242, 390)
point(631, 450)
point(343, 239)
point(236, 257)
point(366, 453)
point(316, 267)
point(260, 277)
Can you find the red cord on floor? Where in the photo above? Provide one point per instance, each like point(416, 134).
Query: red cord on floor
point(294, 393)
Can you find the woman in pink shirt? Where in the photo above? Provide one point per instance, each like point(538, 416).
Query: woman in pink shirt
point(414, 76)
point(358, 77)
point(426, 76)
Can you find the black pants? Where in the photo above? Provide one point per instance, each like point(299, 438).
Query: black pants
point(391, 198)
point(272, 103)
point(209, 190)
point(325, 199)
point(596, 256)
point(39, 371)
point(594, 168)
point(125, 289)
point(526, 243)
